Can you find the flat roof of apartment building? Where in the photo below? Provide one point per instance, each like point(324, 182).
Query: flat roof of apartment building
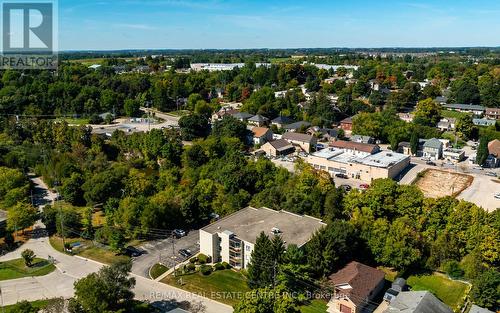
point(382, 159)
point(249, 222)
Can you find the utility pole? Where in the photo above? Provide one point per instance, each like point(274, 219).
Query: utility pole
point(173, 251)
point(61, 219)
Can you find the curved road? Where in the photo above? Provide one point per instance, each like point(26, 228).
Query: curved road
point(71, 268)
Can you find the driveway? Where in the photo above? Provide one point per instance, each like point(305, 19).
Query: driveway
point(164, 251)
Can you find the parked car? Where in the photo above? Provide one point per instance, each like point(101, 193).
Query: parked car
point(497, 196)
point(179, 233)
point(430, 163)
point(132, 251)
point(346, 187)
point(185, 253)
point(492, 174)
point(341, 175)
point(364, 186)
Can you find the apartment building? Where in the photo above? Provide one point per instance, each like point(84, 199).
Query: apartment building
point(232, 239)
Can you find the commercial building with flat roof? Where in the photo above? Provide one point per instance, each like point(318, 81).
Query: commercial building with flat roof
point(358, 164)
point(232, 239)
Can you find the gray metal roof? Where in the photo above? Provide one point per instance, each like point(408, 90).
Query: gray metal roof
point(433, 143)
point(258, 118)
point(297, 125)
point(460, 106)
point(417, 302)
point(242, 115)
point(282, 120)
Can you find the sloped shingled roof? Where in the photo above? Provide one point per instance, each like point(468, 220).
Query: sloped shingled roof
point(351, 145)
point(362, 278)
point(494, 148)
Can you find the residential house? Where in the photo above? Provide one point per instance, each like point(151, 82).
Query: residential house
point(306, 142)
point(477, 309)
point(362, 139)
point(467, 108)
point(417, 302)
point(441, 99)
point(261, 135)
point(404, 147)
point(483, 122)
point(446, 124)
point(397, 286)
point(281, 121)
point(258, 120)
point(355, 286)
point(232, 238)
point(492, 113)
point(453, 155)
point(493, 159)
point(346, 124)
point(293, 127)
point(224, 111)
point(324, 134)
point(242, 116)
point(277, 148)
point(355, 148)
point(433, 149)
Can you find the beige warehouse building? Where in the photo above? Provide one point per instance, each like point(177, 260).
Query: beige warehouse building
point(358, 164)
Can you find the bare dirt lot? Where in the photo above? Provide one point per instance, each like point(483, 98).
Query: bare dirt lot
point(437, 183)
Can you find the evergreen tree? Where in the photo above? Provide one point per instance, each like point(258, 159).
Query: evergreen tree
point(482, 151)
point(260, 269)
point(414, 143)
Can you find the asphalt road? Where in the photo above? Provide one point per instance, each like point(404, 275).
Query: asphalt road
point(70, 268)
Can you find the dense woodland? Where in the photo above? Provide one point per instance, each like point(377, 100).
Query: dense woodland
point(146, 182)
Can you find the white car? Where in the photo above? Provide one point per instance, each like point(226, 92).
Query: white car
point(497, 196)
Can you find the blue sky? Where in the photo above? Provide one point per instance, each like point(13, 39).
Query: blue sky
point(173, 24)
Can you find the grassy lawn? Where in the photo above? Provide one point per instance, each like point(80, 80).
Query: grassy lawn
point(179, 113)
point(315, 306)
point(157, 270)
point(89, 251)
point(226, 286)
point(39, 304)
point(74, 121)
point(449, 291)
point(452, 114)
point(16, 269)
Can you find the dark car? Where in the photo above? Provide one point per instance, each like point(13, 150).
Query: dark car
point(346, 187)
point(132, 251)
point(430, 163)
point(341, 175)
point(178, 233)
point(185, 253)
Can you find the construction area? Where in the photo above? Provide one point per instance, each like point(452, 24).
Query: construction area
point(437, 183)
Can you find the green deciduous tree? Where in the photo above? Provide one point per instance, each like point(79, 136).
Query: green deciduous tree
point(28, 257)
point(110, 289)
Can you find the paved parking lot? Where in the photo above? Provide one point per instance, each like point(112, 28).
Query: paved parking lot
point(165, 251)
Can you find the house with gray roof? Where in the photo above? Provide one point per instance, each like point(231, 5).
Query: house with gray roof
point(304, 141)
point(433, 149)
point(362, 139)
point(296, 126)
point(242, 116)
point(467, 108)
point(483, 122)
point(417, 302)
point(281, 121)
point(258, 120)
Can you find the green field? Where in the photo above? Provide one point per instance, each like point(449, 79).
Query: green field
point(17, 269)
point(449, 291)
point(452, 114)
point(74, 121)
point(157, 270)
point(226, 286)
point(316, 306)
